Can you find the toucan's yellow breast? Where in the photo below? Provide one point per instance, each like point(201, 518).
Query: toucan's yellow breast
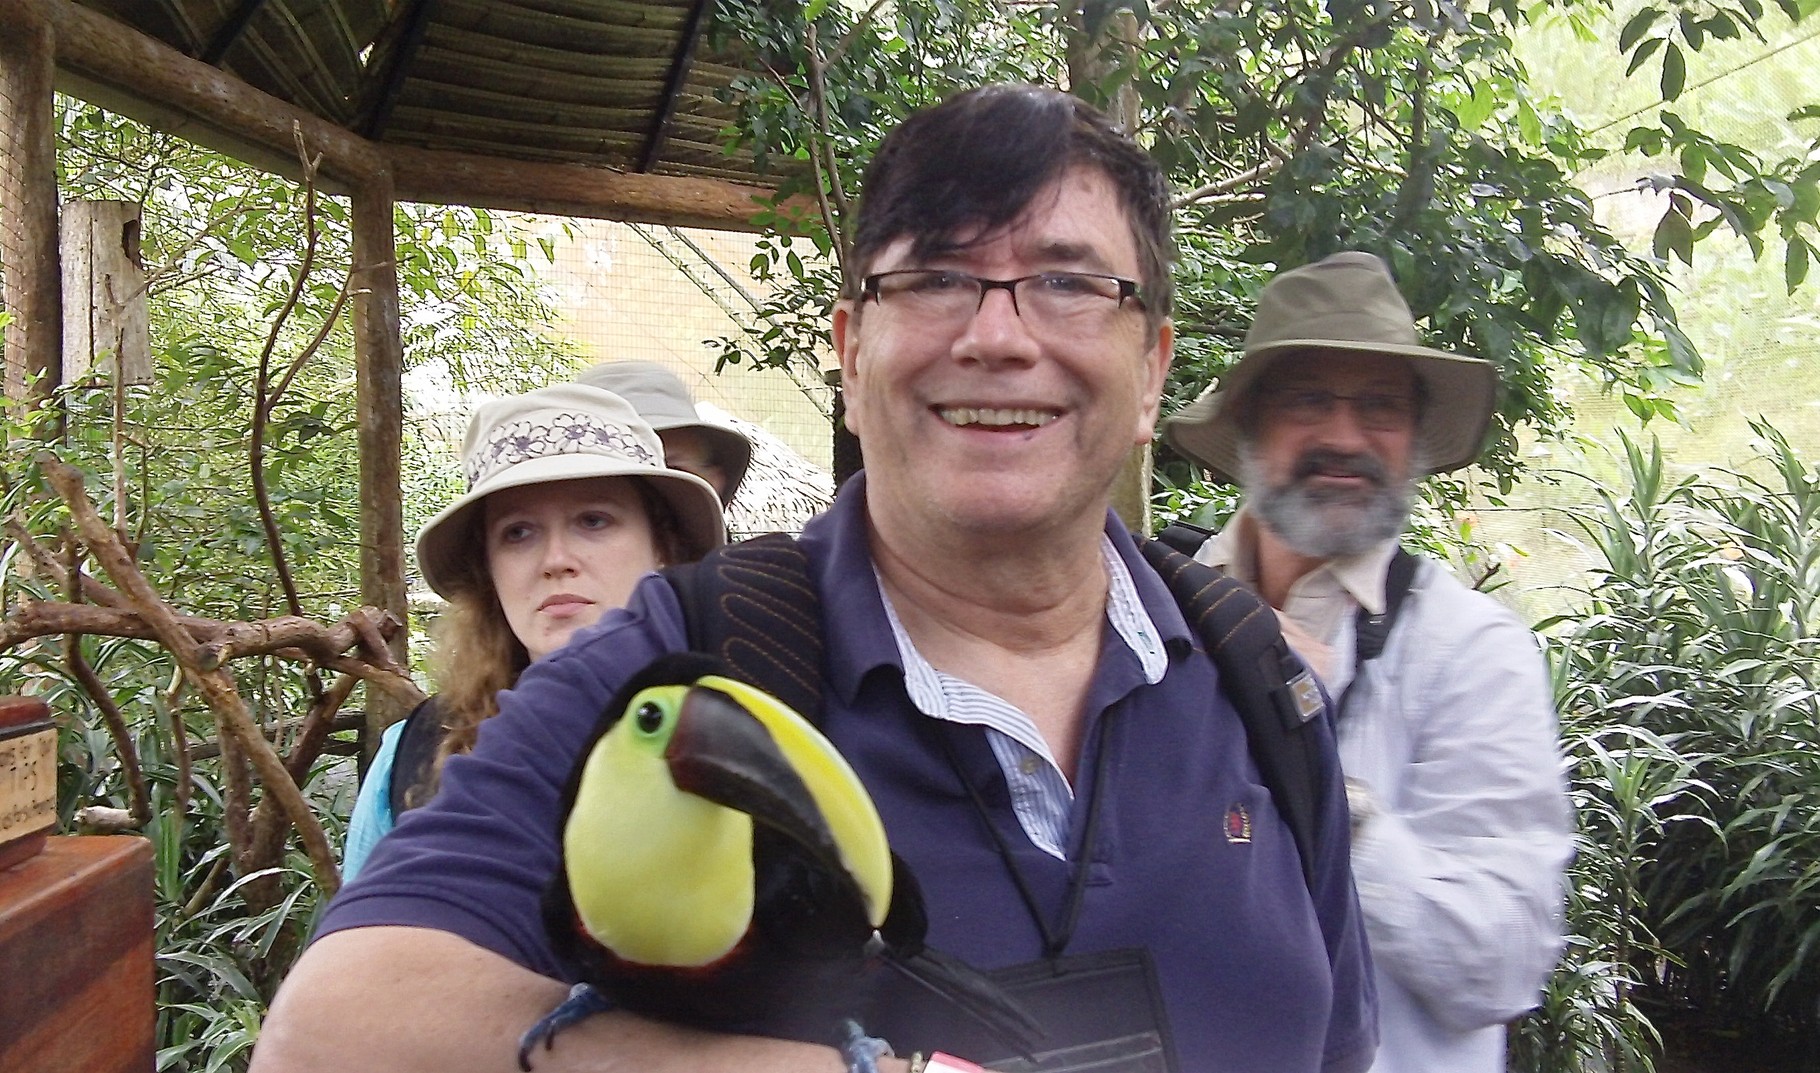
point(658, 876)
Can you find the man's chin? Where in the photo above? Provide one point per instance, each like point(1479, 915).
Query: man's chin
point(1327, 529)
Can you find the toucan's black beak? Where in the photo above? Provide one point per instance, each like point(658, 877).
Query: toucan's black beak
point(722, 753)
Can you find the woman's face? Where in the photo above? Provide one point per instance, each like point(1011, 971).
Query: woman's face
point(563, 554)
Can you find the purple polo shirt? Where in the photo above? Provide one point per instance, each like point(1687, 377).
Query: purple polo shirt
point(1191, 860)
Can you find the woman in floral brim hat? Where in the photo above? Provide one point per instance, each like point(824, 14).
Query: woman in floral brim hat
point(569, 504)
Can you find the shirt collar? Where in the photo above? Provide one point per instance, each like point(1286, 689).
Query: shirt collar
point(1124, 610)
point(839, 548)
point(1362, 576)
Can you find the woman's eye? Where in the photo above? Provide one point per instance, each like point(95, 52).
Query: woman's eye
point(596, 520)
point(514, 533)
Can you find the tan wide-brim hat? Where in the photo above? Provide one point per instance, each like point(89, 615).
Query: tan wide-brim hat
point(1346, 302)
point(663, 400)
point(563, 433)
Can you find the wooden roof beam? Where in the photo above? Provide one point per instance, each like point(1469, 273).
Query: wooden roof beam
point(673, 86)
point(133, 74)
point(170, 88)
point(231, 30)
point(574, 190)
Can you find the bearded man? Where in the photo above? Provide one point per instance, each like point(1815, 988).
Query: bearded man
point(1461, 823)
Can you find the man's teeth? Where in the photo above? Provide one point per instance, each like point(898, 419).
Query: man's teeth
point(967, 415)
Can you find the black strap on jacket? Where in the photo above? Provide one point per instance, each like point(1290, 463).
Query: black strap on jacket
point(1371, 631)
point(754, 605)
point(1271, 688)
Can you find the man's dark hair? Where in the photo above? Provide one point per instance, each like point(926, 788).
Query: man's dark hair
point(972, 165)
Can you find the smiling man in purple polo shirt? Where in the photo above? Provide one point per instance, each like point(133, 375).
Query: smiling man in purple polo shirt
point(1047, 741)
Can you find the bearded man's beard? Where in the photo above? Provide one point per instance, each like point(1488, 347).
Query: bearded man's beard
point(1328, 523)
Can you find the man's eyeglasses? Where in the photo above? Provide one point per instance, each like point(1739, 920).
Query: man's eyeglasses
point(1311, 406)
point(1078, 299)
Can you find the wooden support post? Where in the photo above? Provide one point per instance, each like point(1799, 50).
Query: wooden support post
point(379, 390)
point(105, 323)
point(28, 208)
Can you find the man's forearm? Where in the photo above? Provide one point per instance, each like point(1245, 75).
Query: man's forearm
point(410, 999)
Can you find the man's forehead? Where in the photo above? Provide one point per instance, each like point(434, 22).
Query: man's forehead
point(1317, 366)
point(1076, 219)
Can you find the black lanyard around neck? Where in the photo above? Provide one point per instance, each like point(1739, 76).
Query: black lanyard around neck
point(1054, 940)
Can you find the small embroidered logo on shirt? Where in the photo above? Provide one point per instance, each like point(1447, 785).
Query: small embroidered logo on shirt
point(1238, 824)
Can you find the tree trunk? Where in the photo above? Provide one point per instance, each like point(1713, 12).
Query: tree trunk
point(1091, 59)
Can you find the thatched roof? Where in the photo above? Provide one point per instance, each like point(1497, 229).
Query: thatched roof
point(610, 83)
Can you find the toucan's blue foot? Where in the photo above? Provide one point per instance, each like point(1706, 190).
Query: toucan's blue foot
point(583, 1002)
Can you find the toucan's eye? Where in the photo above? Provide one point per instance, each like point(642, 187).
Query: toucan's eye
point(649, 717)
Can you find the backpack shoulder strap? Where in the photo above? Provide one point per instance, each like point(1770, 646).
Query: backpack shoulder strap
point(415, 761)
point(754, 606)
point(1276, 696)
point(1372, 631)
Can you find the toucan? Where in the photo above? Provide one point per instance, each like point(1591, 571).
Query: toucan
point(724, 868)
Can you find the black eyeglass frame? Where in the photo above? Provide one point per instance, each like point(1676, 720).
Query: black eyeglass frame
point(1129, 290)
point(1389, 405)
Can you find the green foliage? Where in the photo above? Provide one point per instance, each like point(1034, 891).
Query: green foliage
point(1293, 130)
point(816, 134)
point(1688, 701)
point(1733, 186)
point(223, 248)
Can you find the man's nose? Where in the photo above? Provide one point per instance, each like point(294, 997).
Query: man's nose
point(996, 332)
point(1342, 427)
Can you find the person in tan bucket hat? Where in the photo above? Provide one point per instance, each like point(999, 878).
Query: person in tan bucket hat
point(1461, 824)
point(1344, 303)
point(710, 450)
point(569, 503)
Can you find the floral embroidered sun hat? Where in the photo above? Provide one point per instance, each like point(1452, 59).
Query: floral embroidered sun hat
point(562, 433)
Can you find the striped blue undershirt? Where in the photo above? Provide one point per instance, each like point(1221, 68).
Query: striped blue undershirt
point(1040, 793)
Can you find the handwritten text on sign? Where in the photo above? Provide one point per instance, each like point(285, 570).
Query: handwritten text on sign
point(28, 783)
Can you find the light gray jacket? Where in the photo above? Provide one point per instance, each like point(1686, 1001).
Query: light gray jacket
point(1460, 870)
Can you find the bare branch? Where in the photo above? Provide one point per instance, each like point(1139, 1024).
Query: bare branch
point(827, 167)
point(263, 399)
point(237, 803)
point(846, 42)
point(316, 727)
point(316, 341)
point(216, 686)
point(103, 820)
point(93, 591)
point(1226, 186)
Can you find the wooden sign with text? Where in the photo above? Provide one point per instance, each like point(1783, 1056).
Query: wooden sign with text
point(28, 778)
